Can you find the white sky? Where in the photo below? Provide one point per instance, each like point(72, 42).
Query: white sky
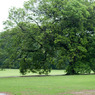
point(4, 8)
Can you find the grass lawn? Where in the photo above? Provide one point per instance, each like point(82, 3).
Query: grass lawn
point(15, 72)
point(49, 85)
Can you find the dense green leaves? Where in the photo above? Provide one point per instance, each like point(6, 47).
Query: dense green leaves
point(46, 32)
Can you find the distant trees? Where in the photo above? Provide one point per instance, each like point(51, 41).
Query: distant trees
point(58, 32)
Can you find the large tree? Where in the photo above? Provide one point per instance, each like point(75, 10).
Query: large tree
point(72, 24)
point(52, 31)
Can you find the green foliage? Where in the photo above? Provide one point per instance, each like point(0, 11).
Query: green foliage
point(92, 65)
point(91, 53)
point(82, 68)
point(54, 32)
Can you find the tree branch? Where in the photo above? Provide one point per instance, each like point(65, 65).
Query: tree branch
point(30, 50)
point(36, 23)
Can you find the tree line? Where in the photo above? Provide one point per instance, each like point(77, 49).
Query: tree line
point(48, 34)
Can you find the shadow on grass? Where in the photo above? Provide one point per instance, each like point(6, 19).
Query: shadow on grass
point(43, 75)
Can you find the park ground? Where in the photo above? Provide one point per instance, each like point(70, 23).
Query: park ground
point(46, 85)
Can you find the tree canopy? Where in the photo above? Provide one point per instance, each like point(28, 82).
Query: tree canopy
point(50, 32)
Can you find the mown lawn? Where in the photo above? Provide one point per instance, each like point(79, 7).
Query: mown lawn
point(16, 72)
point(48, 85)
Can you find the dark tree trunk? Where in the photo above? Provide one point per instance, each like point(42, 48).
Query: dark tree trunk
point(71, 68)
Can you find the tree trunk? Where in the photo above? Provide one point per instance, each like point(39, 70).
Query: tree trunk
point(70, 70)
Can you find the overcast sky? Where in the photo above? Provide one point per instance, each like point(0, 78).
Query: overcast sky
point(4, 8)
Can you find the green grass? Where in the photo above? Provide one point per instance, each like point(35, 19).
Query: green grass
point(49, 85)
point(15, 72)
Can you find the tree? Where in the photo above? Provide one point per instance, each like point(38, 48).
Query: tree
point(52, 32)
point(7, 48)
point(69, 22)
point(91, 53)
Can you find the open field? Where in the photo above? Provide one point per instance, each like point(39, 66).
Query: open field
point(48, 85)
